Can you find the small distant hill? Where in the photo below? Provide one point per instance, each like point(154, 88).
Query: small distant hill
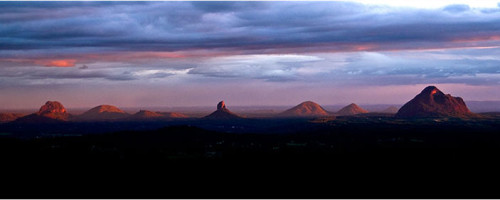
point(351, 109)
point(52, 111)
point(8, 117)
point(222, 113)
point(305, 109)
point(431, 102)
point(391, 109)
point(146, 114)
point(173, 115)
point(103, 112)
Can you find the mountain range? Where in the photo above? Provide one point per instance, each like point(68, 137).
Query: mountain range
point(430, 102)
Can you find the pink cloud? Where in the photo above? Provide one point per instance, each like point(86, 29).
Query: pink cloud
point(56, 63)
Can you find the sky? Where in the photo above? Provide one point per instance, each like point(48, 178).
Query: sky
point(179, 53)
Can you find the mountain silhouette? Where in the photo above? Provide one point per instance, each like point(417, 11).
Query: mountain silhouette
point(431, 102)
point(146, 114)
point(391, 109)
point(222, 113)
point(8, 117)
point(173, 115)
point(305, 109)
point(52, 111)
point(103, 112)
point(351, 109)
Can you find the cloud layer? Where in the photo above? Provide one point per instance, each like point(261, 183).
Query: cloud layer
point(301, 45)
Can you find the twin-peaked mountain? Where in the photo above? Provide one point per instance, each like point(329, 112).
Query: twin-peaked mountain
point(312, 109)
point(111, 113)
point(431, 102)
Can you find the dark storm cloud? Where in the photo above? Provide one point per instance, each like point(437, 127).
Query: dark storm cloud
point(113, 37)
point(241, 26)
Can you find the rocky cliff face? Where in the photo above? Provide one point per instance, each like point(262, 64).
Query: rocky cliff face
point(52, 107)
point(351, 109)
point(221, 105)
point(52, 111)
point(305, 109)
point(431, 102)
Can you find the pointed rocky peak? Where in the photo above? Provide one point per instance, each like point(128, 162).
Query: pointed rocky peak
point(430, 90)
point(51, 107)
point(431, 102)
point(305, 109)
point(221, 105)
point(222, 113)
point(351, 109)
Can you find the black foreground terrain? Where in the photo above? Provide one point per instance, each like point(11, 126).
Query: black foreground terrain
point(349, 157)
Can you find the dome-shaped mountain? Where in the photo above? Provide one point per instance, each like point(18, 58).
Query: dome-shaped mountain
point(52, 111)
point(8, 117)
point(103, 112)
point(351, 109)
point(305, 109)
point(222, 113)
point(146, 114)
point(431, 102)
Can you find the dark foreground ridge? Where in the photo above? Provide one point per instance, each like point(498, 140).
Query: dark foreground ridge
point(435, 148)
point(355, 157)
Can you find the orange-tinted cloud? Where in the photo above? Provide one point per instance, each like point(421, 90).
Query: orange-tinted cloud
point(57, 63)
point(478, 38)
